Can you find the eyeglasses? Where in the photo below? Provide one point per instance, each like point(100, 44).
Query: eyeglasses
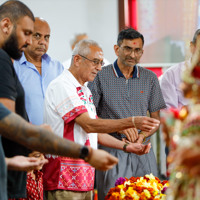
point(129, 50)
point(95, 62)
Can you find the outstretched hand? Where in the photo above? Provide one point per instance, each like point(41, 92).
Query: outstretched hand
point(145, 123)
point(22, 163)
point(102, 160)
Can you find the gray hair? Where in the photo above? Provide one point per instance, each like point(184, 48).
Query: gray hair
point(14, 10)
point(83, 47)
point(195, 36)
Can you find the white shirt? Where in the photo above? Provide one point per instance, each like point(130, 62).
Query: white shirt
point(66, 99)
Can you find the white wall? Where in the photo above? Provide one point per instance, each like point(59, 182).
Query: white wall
point(98, 18)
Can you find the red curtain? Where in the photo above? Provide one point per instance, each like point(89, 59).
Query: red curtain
point(157, 70)
point(132, 20)
point(132, 13)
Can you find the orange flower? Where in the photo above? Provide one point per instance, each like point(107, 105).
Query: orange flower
point(141, 188)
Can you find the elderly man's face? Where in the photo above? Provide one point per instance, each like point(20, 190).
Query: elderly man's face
point(91, 64)
point(40, 42)
point(20, 37)
point(130, 51)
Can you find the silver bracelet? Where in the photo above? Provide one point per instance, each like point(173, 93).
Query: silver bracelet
point(133, 120)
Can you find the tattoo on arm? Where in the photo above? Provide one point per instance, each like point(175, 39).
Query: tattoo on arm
point(34, 137)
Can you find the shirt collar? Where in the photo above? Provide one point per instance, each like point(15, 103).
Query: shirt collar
point(46, 57)
point(23, 58)
point(118, 73)
point(73, 79)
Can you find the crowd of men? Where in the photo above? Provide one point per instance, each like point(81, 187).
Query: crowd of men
point(68, 113)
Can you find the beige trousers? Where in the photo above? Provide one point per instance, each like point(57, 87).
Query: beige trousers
point(68, 195)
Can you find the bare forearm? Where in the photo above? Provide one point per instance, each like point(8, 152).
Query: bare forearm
point(107, 125)
point(15, 128)
point(54, 144)
point(113, 125)
point(109, 141)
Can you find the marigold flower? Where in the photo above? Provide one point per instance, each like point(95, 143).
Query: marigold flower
point(148, 187)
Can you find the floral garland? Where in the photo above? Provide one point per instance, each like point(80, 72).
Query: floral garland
point(148, 187)
point(184, 136)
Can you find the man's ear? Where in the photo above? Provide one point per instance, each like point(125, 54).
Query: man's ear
point(76, 59)
point(116, 49)
point(6, 26)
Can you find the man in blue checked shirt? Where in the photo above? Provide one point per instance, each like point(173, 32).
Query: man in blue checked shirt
point(121, 90)
point(36, 70)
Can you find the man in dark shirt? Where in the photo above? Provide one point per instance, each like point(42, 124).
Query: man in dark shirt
point(3, 195)
point(16, 32)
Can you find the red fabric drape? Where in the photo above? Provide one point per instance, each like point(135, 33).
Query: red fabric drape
point(132, 21)
point(132, 12)
point(157, 70)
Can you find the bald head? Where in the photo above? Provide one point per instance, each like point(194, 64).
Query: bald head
point(40, 22)
point(40, 41)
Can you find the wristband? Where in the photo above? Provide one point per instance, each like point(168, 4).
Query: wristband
point(133, 120)
point(124, 147)
point(84, 153)
point(87, 158)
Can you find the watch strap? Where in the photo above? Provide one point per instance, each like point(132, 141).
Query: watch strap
point(124, 147)
point(84, 153)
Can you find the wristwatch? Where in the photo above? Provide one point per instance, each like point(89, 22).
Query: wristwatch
point(124, 147)
point(84, 153)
